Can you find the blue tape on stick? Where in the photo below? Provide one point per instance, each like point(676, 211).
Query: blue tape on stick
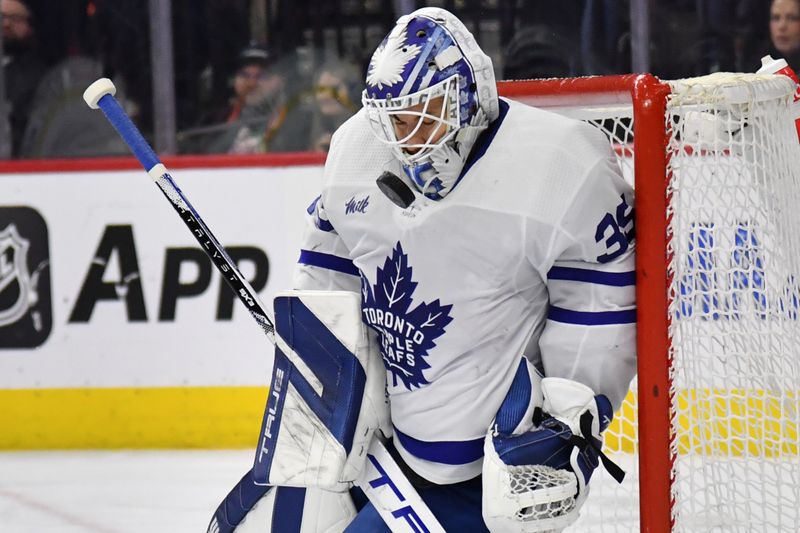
point(128, 131)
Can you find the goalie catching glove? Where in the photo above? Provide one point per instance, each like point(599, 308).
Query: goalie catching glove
point(537, 479)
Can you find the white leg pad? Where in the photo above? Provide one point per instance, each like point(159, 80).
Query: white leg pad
point(322, 512)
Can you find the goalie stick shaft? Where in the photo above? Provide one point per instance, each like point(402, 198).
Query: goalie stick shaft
point(392, 494)
point(158, 172)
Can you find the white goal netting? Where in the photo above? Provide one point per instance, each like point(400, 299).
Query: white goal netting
point(732, 223)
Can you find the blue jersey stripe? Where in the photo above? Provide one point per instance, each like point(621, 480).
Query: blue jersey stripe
point(313, 207)
point(516, 402)
point(592, 318)
point(612, 279)
point(329, 261)
point(323, 225)
point(445, 452)
point(320, 222)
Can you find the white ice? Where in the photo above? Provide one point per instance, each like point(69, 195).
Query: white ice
point(130, 491)
point(115, 491)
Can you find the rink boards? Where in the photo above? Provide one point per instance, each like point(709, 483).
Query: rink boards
point(115, 331)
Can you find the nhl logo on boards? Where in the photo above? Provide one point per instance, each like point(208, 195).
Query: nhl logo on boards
point(25, 309)
point(14, 276)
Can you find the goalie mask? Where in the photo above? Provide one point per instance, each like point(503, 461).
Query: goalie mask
point(430, 91)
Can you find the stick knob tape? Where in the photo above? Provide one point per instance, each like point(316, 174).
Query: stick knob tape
point(94, 95)
point(97, 90)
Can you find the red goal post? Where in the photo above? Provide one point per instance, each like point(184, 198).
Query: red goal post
point(704, 153)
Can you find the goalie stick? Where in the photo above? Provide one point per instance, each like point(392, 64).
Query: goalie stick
point(393, 496)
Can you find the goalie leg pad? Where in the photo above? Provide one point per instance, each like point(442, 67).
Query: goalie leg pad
point(250, 508)
point(239, 501)
point(327, 396)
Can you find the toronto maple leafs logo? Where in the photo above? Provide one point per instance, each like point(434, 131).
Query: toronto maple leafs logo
point(407, 335)
point(390, 60)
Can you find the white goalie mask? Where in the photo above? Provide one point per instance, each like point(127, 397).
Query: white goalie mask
point(430, 91)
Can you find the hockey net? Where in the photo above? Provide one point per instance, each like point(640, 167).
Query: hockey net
point(709, 430)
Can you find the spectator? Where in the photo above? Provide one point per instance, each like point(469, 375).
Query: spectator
point(333, 105)
point(22, 62)
point(308, 122)
point(259, 94)
point(255, 85)
point(784, 30)
point(784, 36)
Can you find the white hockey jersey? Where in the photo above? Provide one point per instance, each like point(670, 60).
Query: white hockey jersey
point(530, 253)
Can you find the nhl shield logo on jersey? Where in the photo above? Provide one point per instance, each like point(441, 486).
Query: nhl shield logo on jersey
point(407, 335)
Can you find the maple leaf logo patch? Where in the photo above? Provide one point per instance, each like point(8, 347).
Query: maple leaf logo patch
point(407, 335)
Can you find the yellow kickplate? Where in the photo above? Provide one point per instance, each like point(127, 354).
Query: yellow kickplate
point(132, 418)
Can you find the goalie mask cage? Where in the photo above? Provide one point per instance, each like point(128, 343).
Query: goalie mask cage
point(715, 165)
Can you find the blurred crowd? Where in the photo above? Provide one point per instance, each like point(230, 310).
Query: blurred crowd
point(260, 76)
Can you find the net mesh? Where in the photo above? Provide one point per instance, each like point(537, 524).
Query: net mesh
point(734, 299)
point(734, 236)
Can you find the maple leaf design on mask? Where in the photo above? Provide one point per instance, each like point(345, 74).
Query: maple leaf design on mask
point(390, 60)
